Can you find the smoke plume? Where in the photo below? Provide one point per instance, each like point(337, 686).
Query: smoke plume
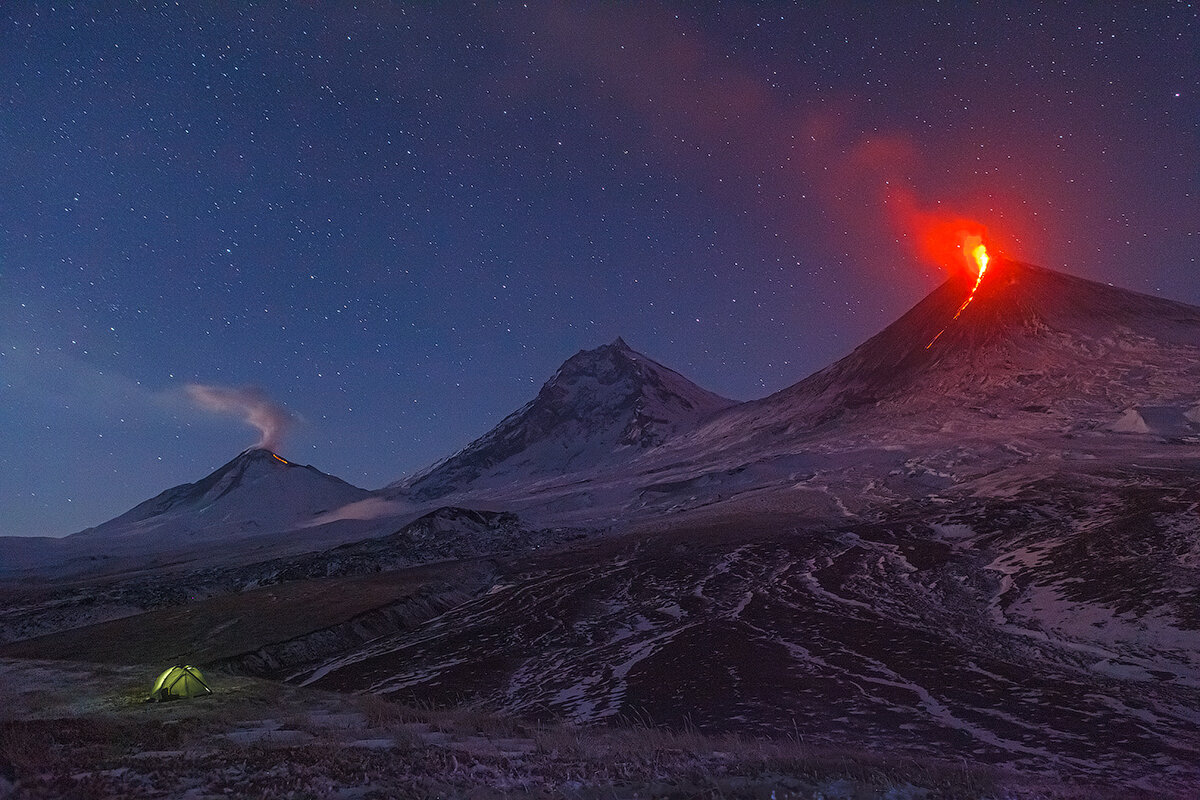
point(251, 404)
point(726, 122)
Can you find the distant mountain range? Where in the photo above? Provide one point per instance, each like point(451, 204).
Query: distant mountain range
point(1038, 355)
point(615, 435)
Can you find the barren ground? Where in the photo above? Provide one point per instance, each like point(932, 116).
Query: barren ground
point(81, 730)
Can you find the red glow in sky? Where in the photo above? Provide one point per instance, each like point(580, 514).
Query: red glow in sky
point(945, 240)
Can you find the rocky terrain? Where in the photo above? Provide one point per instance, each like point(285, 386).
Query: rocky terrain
point(975, 631)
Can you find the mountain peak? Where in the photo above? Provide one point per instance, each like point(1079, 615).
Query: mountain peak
point(253, 455)
point(254, 490)
point(615, 355)
point(1017, 295)
point(601, 407)
point(1030, 336)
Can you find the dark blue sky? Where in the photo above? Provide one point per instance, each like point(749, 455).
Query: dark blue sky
point(397, 222)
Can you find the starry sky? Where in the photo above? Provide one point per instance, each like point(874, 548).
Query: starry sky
point(394, 222)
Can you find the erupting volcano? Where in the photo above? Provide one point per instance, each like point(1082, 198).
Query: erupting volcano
point(979, 256)
point(976, 253)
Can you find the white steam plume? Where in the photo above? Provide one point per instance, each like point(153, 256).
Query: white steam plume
point(251, 404)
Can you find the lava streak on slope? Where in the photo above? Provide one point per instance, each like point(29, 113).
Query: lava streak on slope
point(973, 247)
point(947, 241)
point(979, 255)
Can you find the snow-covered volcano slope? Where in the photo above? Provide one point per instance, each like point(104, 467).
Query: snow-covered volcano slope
point(259, 502)
point(255, 507)
point(1035, 349)
point(1040, 366)
point(257, 492)
point(603, 407)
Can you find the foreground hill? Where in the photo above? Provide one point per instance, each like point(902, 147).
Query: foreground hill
point(226, 609)
point(1052, 631)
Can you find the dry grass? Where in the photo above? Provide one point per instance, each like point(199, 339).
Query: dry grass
point(114, 758)
point(123, 748)
point(382, 713)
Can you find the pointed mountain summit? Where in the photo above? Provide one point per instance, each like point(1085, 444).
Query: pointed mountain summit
point(1032, 341)
point(1029, 332)
point(602, 407)
point(1021, 317)
point(256, 492)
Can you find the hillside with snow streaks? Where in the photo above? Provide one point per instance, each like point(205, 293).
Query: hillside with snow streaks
point(968, 628)
point(601, 409)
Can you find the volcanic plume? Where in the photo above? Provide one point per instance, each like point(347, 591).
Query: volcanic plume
point(251, 404)
point(722, 124)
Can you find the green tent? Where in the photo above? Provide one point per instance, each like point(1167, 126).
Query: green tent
point(179, 681)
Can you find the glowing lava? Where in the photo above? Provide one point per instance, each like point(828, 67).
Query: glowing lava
point(974, 248)
point(277, 458)
point(979, 255)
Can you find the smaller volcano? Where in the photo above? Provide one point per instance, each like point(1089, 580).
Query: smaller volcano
point(256, 492)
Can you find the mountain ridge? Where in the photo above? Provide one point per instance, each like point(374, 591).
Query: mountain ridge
point(613, 432)
point(599, 406)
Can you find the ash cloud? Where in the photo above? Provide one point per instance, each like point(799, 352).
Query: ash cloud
point(727, 122)
point(249, 403)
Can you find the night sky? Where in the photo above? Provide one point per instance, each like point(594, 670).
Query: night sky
point(397, 222)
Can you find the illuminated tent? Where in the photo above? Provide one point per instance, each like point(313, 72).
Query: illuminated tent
point(179, 681)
